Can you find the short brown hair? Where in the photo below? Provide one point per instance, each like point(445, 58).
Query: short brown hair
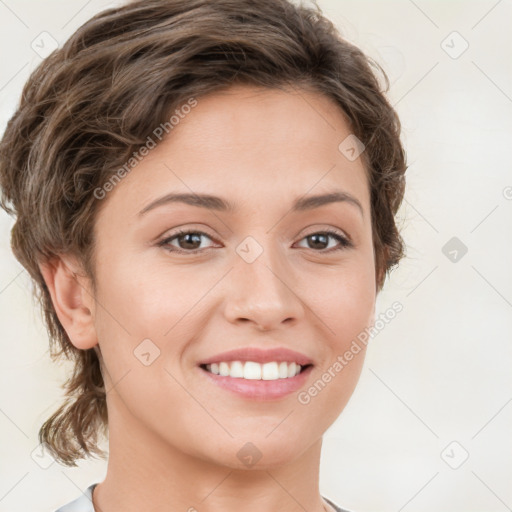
point(90, 104)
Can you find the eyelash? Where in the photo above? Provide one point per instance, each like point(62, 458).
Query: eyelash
point(344, 242)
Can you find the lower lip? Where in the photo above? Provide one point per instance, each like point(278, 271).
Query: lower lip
point(260, 389)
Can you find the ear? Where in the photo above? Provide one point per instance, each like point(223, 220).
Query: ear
point(72, 299)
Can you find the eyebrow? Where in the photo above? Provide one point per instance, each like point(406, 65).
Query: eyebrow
point(219, 204)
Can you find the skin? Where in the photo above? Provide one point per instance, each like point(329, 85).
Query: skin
point(174, 436)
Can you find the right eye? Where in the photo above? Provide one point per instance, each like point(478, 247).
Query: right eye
point(187, 241)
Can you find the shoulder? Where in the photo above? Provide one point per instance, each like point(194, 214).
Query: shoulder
point(81, 504)
point(334, 506)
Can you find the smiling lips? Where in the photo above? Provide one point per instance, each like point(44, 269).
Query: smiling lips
point(259, 355)
point(256, 373)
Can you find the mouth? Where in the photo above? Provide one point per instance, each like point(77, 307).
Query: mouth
point(257, 382)
point(252, 370)
point(258, 374)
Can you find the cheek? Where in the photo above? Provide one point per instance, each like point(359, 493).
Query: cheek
point(147, 300)
point(346, 303)
point(148, 315)
point(349, 312)
point(138, 307)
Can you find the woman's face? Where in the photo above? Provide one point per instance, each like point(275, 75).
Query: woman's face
point(262, 275)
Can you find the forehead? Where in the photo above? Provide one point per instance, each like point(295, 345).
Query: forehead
point(255, 116)
point(249, 142)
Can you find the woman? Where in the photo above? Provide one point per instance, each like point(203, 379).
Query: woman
point(204, 196)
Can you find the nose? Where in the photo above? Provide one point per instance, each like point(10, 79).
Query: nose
point(263, 293)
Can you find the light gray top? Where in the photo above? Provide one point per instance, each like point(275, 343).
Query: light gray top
point(84, 503)
point(81, 504)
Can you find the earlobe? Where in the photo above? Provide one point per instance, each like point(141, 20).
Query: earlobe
point(72, 299)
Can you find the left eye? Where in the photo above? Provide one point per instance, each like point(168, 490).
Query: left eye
point(190, 241)
point(323, 237)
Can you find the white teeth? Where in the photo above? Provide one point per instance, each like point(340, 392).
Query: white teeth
point(237, 370)
point(283, 370)
point(224, 369)
point(270, 371)
point(251, 370)
point(291, 369)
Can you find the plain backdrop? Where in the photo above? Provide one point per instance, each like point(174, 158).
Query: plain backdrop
point(428, 427)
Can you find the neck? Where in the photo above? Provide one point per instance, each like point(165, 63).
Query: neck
point(146, 472)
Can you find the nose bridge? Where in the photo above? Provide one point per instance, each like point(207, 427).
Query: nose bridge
point(262, 285)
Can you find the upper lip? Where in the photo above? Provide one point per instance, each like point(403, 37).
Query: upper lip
point(260, 355)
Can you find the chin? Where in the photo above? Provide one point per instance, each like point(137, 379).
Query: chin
point(260, 454)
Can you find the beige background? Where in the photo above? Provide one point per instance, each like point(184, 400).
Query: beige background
point(440, 371)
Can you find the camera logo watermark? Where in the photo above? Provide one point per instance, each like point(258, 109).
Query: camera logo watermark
point(41, 456)
point(454, 249)
point(44, 44)
point(249, 454)
point(146, 352)
point(454, 45)
point(455, 455)
point(249, 249)
point(351, 147)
